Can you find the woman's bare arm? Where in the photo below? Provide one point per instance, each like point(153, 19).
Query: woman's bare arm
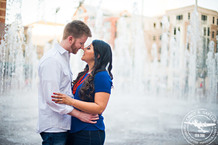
point(96, 107)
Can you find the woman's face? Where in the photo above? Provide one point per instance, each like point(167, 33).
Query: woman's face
point(88, 55)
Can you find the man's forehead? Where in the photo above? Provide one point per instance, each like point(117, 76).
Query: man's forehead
point(88, 42)
point(83, 38)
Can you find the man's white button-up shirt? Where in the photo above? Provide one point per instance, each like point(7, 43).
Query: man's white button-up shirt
point(54, 76)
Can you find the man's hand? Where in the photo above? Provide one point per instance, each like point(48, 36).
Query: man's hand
point(85, 117)
point(88, 118)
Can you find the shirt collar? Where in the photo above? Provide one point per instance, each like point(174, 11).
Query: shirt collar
point(60, 49)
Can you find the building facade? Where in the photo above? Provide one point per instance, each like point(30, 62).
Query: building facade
point(2, 17)
point(44, 33)
point(179, 20)
point(104, 24)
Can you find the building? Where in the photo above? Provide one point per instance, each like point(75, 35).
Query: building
point(153, 31)
point(2, 17)
point(43, 33)
point(179, 20)
point(102, 23)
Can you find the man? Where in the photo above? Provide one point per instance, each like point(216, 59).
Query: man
point(55, 76)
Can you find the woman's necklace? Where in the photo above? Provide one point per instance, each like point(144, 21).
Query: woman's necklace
point(81, 80)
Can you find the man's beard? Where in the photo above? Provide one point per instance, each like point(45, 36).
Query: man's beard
point(73, 48)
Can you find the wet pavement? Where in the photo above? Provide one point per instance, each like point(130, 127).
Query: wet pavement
point(129, 120)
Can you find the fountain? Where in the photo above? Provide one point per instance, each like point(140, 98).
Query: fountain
point(152, 107)
point(178, 72)
point(211, 72)
point(149, 99)
point(154, 74)
point(18, 75)
point(18, 60)
point(131, 46)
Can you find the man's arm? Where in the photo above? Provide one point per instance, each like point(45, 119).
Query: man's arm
point(84, 117)
point(50, 79)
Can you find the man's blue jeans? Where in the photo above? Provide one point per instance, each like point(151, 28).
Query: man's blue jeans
point(54, 138)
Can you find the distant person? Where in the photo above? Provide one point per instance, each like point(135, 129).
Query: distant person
point(55, 76)
point(91, 89)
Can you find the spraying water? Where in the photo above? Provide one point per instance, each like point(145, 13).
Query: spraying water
point(147, 102)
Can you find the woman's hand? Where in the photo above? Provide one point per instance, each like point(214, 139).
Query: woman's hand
point(62, 99)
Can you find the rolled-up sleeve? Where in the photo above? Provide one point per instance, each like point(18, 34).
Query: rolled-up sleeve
point(50, 79)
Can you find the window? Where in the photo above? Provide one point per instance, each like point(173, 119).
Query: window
point(179, 17)
point(213, 34)
point(208, 31)
point(216, 21)
point(174, 31)
point(154, 25)
point(160, 24)
point(188, 45)
point(188, 16)
point(154, 38)
point(205, 30)
point(178, 28)
point(213, 20)
point(203, 17)
point(160, 37)
point(216, 32)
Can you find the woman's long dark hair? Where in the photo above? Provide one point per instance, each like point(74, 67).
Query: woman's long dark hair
point(103, 61)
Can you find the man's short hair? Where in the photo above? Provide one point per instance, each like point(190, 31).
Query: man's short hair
point(76, 29)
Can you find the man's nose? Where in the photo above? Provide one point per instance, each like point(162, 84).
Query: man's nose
point(82, 47)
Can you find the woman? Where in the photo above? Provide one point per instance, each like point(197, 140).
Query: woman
point(91, 90)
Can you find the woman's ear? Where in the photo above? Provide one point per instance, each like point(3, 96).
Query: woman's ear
point(98, 56)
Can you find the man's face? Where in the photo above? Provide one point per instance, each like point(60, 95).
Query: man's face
point(78, 44)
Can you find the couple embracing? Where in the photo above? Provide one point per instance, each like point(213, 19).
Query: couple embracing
point(70, 112)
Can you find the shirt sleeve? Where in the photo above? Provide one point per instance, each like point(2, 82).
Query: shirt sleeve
point(50, 79)
point(102, 82)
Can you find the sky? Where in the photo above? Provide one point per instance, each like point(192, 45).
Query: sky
point(156, 7)
point(33, 10)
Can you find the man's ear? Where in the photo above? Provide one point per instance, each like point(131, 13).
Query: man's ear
point(71, 39)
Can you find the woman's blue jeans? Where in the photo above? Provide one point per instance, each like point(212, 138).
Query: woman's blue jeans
point(86, 137)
